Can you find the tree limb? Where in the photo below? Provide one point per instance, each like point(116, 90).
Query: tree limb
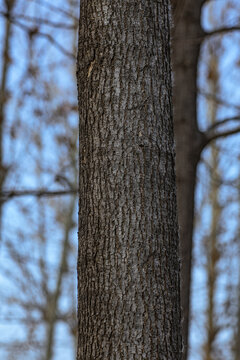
point(9, 194)
point(40, 21)
point(222, 31)
point(36, 32)
point(221, 122)
point(209, 138)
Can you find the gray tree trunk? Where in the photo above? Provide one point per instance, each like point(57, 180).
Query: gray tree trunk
point(128, 264)
point(187, 39)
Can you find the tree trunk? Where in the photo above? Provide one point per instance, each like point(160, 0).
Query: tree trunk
point(189, 142)
point(212, 246)
point(128, 264)
point(53, 304)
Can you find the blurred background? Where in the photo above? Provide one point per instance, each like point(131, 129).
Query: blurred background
point(38, 183)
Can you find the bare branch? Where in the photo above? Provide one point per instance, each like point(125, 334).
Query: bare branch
point(221, 122)
point(222, 31)
point(221, 134)
point(36, 32)
point(9, 194)
point(39, 20)
point(57, 45)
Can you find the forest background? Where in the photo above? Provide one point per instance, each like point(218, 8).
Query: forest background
point(38, 180)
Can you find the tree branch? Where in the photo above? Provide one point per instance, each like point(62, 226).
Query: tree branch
point(221, 122)
point(36, 32)
point(222, 31)
point(15, 17)
point(57, 45)
point(9, 194)
point(209, 138)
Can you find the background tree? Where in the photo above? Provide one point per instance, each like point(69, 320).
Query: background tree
point(224, 99)
point(212, 247)
point(189, 38)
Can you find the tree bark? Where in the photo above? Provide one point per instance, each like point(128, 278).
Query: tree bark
point(128, 264)
point(187, 38)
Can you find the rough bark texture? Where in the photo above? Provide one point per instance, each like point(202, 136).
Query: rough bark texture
point(128, 264)
point(187, 38)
